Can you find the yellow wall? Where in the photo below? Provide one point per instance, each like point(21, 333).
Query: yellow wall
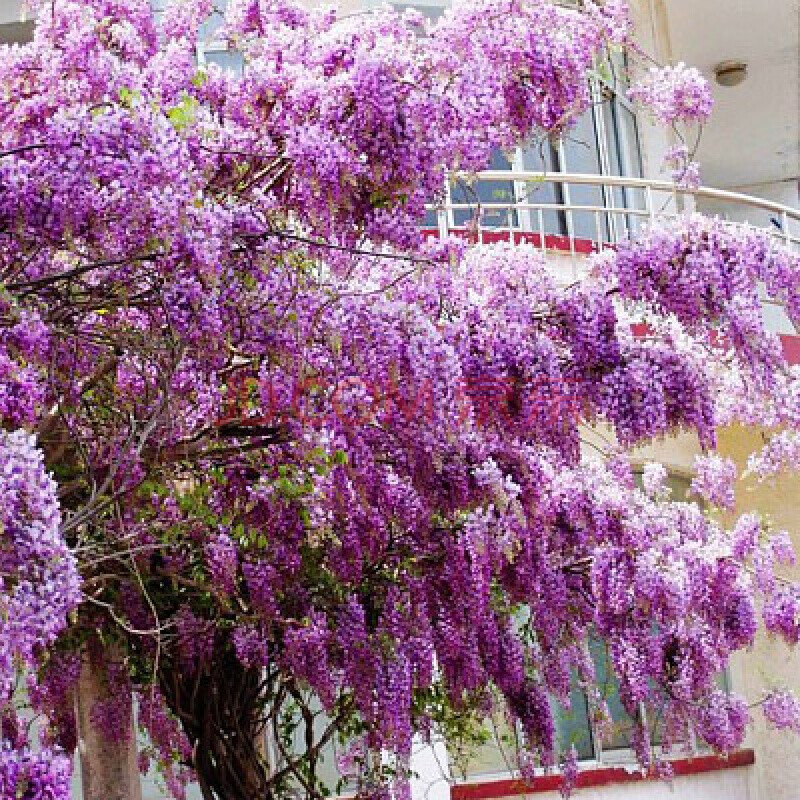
point(770, 662)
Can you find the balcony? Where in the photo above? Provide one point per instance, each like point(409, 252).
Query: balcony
point(538, 208)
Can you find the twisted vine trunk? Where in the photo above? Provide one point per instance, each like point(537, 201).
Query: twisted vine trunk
point(220, 708)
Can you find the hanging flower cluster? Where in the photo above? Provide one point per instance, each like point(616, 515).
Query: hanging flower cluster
point(685, 172)
point(675, 94)
point(39, 776)
point(39, 582)
point(307, 463)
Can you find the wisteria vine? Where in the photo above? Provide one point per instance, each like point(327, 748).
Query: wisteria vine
point(310, 476)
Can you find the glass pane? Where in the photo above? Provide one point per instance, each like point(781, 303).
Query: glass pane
point(430, 220)
point(625, 160)
point(616, 66)
point(328, 764)
point(543, 157)
point(572, 724)
point(327, 768)
point(495, 752)
point(484, 192)
point(610, 118)
point(776, 319)
point(488, 751)
point(631, 157)
point(620, 738)
point(629, 142)
point(582, 155)
point(210, 28)
point(227, 59)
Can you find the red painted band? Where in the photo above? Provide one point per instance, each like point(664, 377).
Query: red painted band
point(489, 236)
point(791, 348)
point(599, 776)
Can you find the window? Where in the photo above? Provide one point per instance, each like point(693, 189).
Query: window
point(580, 152)
point(573, 726)
point(430, 10)
point(335, 783)
point(603, 141)
point(484, 751)
point(542, 156)
point(622, 723)
point(492, 753)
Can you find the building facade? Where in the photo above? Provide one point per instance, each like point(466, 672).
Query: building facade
point(597, 184)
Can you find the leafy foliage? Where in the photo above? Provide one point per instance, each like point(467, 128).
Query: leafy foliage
point(308, 466)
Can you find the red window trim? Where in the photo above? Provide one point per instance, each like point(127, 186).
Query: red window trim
point(791, 348)
point(493, 236)
point(599, 776)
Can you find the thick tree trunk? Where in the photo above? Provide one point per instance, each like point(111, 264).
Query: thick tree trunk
point(219, 708)
point(108, 769)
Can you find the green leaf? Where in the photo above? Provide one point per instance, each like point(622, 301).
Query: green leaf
point(184, 114)
point(128, 97)
point(340, 457)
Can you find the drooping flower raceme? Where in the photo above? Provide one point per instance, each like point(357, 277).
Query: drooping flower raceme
point(714, 480)
point(675, 94)
point(685, 172)
point(40, 776)
point(782, 709)
point(39, 587)
point(39, 583)
point(307, 462)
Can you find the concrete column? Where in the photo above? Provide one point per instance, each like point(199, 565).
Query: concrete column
point(108, 769)
point(429, 763)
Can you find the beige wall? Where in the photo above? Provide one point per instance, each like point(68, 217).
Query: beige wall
point(770, 662)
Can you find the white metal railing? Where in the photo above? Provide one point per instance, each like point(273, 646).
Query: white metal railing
point(618, 207)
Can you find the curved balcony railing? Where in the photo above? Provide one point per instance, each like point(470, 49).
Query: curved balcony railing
point(579, 214)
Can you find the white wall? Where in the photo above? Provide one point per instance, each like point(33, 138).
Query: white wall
point(10, 11)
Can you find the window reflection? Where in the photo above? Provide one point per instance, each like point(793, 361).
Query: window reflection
point(227, 59)
point(543, 156)
point(484, 193)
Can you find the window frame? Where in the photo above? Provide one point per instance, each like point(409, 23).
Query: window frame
point(605, 101)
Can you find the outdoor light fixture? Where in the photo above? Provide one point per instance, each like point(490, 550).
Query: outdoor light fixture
point(730, 73)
